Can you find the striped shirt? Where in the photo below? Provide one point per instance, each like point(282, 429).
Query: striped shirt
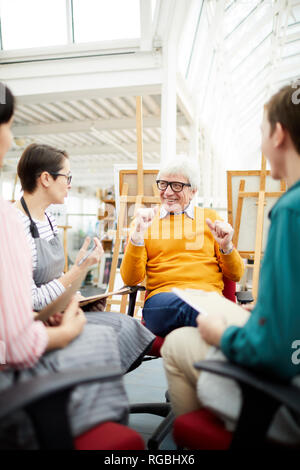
point(25, 340)
point(46, 293)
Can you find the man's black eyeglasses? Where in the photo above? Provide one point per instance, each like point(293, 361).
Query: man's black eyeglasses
point(69, 177)
point(176, 186)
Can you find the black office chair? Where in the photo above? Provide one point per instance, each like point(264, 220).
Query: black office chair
point(262, 396)
point(164, 409)
point(45, 398)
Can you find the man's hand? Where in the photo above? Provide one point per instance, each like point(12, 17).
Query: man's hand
point(211, 327)
point(222, 233)
point(249, 307)
point(143, 220)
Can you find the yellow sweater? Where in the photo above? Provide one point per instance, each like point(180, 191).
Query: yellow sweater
point(180, 252)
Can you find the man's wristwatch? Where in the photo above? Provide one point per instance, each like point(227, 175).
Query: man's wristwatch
point(227, 252)
point(138, 242)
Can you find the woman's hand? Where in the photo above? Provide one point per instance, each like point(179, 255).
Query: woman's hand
point(98, 306)
point(72, 324)
point(211, 327)
point(77, 270)
point(94, 256)
point(73, 319)
point(54, 320)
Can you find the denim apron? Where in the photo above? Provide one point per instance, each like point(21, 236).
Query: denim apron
point(133, 338)
point(50, 254)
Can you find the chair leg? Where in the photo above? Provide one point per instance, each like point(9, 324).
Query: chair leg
point(253, 424)
point(50, 419)
point(158, 409)
point(161, 432)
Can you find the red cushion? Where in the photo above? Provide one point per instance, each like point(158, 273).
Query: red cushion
point(229, 289)
point(201, 430)
point(110, 436)
point(156, 345)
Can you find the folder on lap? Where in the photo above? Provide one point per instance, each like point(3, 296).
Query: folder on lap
point(61, 303)
point(94, 298)
point(212, 302)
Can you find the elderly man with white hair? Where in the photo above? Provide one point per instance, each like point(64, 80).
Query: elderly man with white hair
point(178, 245)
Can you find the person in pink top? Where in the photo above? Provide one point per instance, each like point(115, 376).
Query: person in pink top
point(31, 348)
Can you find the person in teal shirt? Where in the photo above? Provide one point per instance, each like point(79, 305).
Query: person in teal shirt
point(266, 341)
point(270, 339)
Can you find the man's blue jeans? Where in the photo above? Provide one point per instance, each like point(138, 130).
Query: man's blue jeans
point(164, 312)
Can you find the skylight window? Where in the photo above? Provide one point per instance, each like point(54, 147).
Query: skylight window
point(103, 20)
point(33, 23)
point(45, 23)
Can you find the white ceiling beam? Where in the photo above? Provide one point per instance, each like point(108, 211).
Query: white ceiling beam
point(57, 68)
point(174, 27)
point(121, 87)
point(86, 125)
point(168, 103)
point(84, 78)
point(164, 20)
point(75, 50)
point(123, 106)
point(156, 19)
point(151, 104)
point(86, 150)
point(84, 164)
point(92, 93)
point(184, 100)
point(146, 25)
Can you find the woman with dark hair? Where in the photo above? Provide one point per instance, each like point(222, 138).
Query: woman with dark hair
point(32, 348)
point(7, 104)
point(45, 177)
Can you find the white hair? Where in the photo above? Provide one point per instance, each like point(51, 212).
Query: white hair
point(182, 165)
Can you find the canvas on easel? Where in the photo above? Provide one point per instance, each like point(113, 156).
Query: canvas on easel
point(137, 188)
point(129, 176)
point(251, 195)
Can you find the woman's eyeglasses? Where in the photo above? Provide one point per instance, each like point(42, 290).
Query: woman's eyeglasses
point(69, 177)
point(176, 186)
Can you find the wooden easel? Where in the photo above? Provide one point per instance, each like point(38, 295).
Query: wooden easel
point(261, 196)
point(14, 189)
point(65, 228)
point(125, 200)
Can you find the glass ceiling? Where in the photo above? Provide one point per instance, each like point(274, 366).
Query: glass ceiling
point(102, 20)
point(33, 23)
point(40, 23)
point(241, 51)
point(232, 54)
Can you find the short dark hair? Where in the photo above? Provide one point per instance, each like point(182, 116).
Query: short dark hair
point(35, 159)
point(7, 104)
point(284, 107)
